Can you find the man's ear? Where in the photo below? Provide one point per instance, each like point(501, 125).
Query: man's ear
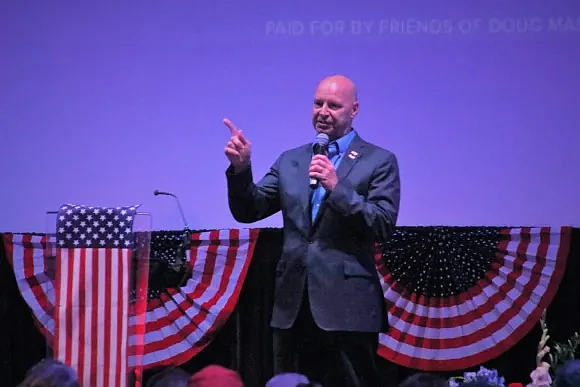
point(354, 110)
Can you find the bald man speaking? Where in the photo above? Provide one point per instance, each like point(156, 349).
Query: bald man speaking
point(328, 302)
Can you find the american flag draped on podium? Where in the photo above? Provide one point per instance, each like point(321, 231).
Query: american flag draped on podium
point(167, 329)
point(92, 286)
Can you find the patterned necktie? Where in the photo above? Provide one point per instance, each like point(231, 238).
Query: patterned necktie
point(318, 194)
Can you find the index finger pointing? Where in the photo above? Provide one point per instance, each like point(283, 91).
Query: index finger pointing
point(242, 137)
point(231, 127)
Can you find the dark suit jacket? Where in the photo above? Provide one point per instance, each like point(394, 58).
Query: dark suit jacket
point(333, 254)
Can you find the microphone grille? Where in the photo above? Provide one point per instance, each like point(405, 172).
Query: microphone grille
point(322, 139)
point(156, 192)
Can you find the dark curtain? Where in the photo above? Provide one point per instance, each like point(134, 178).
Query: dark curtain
point(245, 342)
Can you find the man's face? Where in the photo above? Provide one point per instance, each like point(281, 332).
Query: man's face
point(334, 109)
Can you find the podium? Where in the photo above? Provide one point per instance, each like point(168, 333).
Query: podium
point(100, 276)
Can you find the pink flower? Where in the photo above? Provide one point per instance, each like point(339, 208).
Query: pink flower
point(541, 377)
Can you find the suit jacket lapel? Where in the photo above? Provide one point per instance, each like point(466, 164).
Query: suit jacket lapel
point(303, 180)
point(348, 161)
point(350, 158)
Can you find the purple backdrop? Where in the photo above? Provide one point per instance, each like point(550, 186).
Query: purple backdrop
point(103, 102)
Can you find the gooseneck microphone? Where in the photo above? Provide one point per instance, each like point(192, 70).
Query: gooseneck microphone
point(185, 245)
point(320, 148)
point(157, 192)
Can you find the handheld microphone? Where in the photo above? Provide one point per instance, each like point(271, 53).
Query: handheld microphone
point(185, 245)
point(320, 148)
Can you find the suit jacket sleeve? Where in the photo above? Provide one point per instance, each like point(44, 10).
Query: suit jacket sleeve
point(377, 212)
point(250, 202)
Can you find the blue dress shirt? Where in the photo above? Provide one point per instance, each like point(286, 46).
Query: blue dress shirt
point(336, 150)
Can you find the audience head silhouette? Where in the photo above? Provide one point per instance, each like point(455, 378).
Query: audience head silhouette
point(477, 383)
point(171, 377)
point(215, 376)
point(288, 380)
point(422, 379)
point(50, 373)
point(568, 375)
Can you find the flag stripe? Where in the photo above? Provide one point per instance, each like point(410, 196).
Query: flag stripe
point(137, 331)
point(102, 329)
point(123, 317)
point(94, 327)
point(81, 262)
point(109, 324)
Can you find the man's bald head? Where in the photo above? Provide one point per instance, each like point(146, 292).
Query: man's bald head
point(335, 106)
point(341, 84)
